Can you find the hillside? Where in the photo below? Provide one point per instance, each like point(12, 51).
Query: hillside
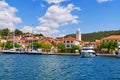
point(96, 35)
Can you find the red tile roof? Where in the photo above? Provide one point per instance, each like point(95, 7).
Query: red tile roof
point(70, 38)
point(112, 37)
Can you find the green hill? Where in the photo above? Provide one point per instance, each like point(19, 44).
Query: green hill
point(96, 35)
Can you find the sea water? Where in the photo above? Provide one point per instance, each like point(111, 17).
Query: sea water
point(56, 67)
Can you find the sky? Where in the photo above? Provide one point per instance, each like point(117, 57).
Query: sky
point(60, 17)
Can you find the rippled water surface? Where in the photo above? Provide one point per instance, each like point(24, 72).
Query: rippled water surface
point(54, 67)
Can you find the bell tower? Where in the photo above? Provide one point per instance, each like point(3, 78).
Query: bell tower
point(78, 35)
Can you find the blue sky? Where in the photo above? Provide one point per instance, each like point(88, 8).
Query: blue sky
point(60, 17)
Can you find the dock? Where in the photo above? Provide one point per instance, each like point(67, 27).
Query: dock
point(107, 55)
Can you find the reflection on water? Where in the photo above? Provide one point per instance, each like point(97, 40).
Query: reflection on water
point(53, 67)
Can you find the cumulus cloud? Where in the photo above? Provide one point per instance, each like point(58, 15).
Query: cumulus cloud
point(8, 15)
point(55, 1)
point(55, 17)
point(102, 1)
point(27, 29)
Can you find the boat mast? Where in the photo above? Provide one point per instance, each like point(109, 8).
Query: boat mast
point(32, 37)
point(13, 35)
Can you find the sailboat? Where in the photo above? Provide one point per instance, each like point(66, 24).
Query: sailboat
point(13, 50)
point(32, 50)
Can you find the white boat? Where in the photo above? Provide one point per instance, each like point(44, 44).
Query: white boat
point(33, 51)
point(87, 52)
point(118, 55)
point(11, 51)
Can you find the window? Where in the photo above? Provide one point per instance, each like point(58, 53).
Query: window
point(64, 41)
point(71, 41)
point(68, 41)
point(68, 46)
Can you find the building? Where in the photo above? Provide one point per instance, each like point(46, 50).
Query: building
point(111, 38)
point(78, 35)
point(70, 41)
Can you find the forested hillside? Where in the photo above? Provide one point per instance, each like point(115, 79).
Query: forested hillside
point(96, 35)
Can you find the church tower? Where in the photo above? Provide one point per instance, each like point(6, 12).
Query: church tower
point(78, 35)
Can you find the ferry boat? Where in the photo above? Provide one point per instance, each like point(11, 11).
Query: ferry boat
point(87, 52)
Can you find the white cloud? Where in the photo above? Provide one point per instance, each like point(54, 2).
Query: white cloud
point(55, 1)
point(61, 35)
point(27, 29)
point(8, 15)
point(55, 17)
point(102, 1)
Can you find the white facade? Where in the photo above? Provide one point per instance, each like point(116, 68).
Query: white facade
point(69, 43)
point(78, 35)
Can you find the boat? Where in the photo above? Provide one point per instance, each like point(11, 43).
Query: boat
point(87, 52)
point(118, 53)
point(19, 51)
point(33, 51)
point(12, 50)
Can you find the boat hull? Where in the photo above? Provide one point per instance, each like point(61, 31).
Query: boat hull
point(87, 54)
point(118, 55)
point(35, 53)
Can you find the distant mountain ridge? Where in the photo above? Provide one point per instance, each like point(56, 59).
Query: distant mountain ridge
point(96, 35)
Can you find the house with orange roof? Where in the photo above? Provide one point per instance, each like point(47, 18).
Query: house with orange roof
point(15, 39)
point(110, 38)
point(58, 40)
point(70, 41)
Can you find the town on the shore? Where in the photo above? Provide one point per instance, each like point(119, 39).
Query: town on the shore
point(48, 44)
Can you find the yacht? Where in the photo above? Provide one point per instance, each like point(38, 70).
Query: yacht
point(118, 55)
point(87, 52)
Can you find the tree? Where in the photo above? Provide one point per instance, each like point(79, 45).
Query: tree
point(2, 44)
point(110, 45)
point(61, 46)
point(36, 45)
point(5, 32)
point(104, 45)
point(46, 46)
point(17, 45)
point(18, 32)
point(38, 35)
point(75, 47)
point(9, 45)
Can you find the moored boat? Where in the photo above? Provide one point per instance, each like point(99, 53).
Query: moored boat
point(118, 53)
point(87, 52)
point(33, 51)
